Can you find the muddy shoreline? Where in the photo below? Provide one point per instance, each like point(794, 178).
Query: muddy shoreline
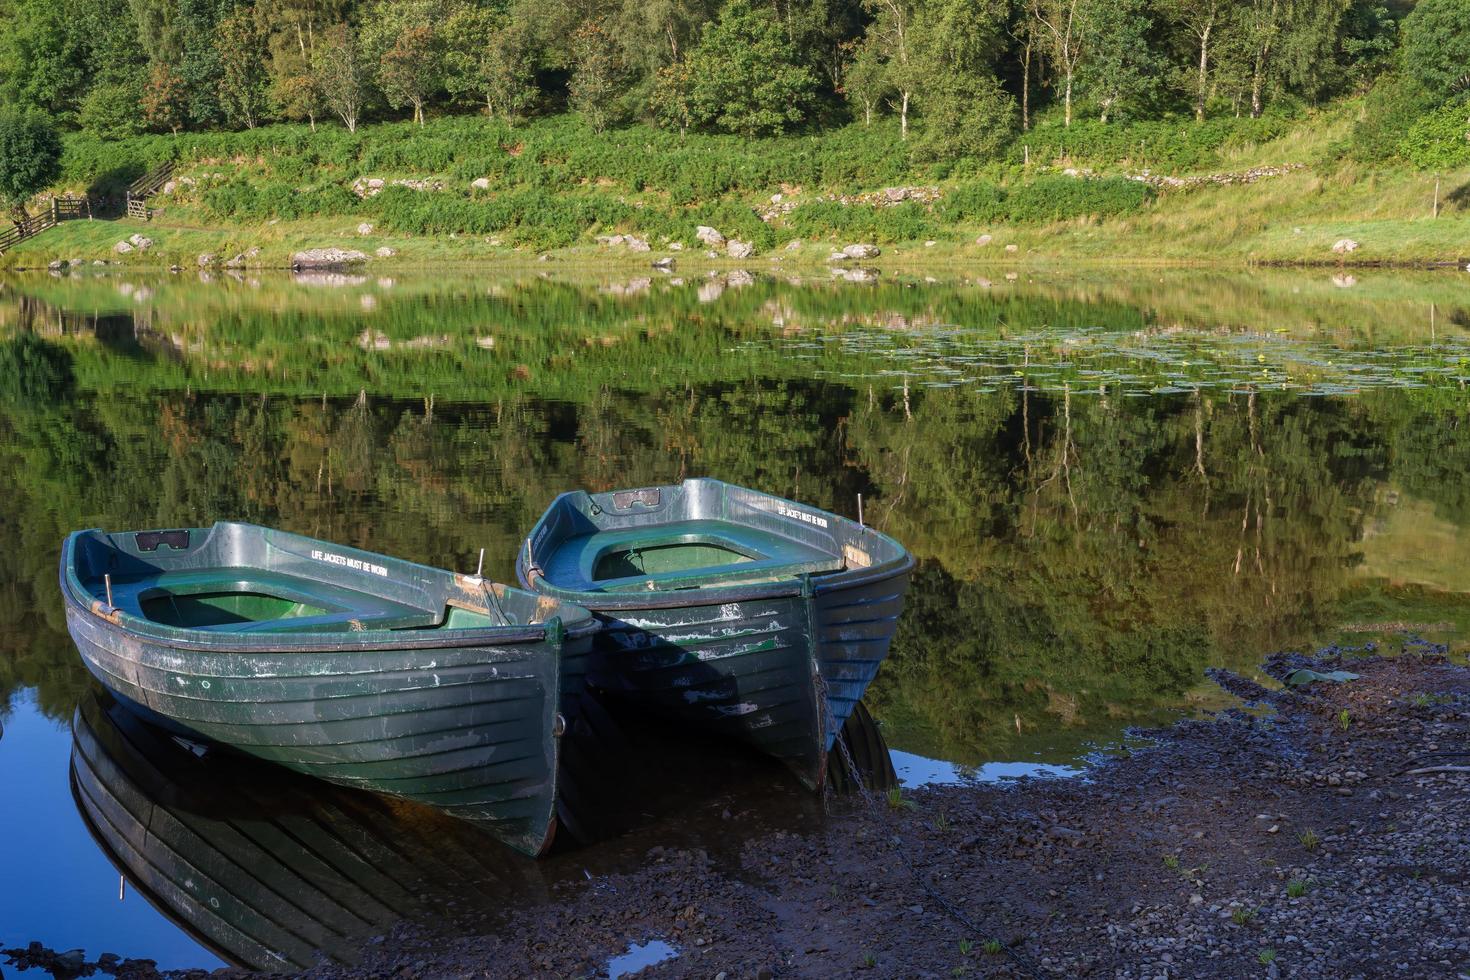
point(1321, 831)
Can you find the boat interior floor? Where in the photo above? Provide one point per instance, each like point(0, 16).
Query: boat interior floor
point(248, 600)
point(679, 555)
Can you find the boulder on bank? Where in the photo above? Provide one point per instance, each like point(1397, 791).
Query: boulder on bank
point(984, 240)
point(123, 248)
point(480, 183)
point(206, 260)
point(1344, 245)
point(326, 258)
point(385, 252)
point(862, 251)
point(739, 250)
point(709, 236)
point(243, 259)
point(366, 228)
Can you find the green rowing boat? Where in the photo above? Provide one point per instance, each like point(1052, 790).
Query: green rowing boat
point(729, 608)
point(363, 670)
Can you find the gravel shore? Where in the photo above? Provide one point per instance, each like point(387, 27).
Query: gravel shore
point(1319, 832)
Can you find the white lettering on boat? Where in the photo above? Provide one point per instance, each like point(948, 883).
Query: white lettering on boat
point(802, 516)
point(353, 563)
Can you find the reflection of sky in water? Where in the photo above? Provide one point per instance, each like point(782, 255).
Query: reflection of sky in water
point(63, 891)
point(639, 956)
point(916, 770)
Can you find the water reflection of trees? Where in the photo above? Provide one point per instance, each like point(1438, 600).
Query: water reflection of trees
point(1082, 554)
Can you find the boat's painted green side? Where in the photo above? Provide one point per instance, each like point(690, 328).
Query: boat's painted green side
point(736, 610)
point(381, 674)
point(268, 869)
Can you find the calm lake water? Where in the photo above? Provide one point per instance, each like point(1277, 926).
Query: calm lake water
point(1111, 483)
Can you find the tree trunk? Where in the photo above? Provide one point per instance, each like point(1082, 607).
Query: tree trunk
point(1204, 75)
point(903, 115)
point(1067, 101)
point(1258, 80)
point(1026, 89)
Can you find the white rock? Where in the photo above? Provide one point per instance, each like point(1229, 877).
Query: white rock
point(984, 240)
point(206, 260)
point(793, 245)
point(326, 258)
point(837, 257)
point(676, 246)
point(712, 254)
point(1344, 245)
point(141, 242)
point(862, 251)
point(123, 248)
point(1013, 248)
point(635, 244)
point(385, 252)
point(930, 243)
point(481, 183)
point(709, 236)
point(485, 343)
point(366, 228)
point(739, 250)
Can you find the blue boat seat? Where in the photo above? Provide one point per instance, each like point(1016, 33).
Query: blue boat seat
point(684, 554)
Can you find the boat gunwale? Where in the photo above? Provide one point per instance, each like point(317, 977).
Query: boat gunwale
point(379, 640)
point(531, 577)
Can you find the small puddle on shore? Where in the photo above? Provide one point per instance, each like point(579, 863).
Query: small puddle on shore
point(639, 956)
point(915, 771)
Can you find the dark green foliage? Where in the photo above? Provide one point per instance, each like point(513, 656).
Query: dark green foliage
point(1164, 145)
point(1048, 198)
point(745, 75)
point(832, 220)
point(30, 156)
point(1439, 140)
point(33, 372)
point(1436, 46)
point(247, 201)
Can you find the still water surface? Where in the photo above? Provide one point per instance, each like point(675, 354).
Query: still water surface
point(1110, 484)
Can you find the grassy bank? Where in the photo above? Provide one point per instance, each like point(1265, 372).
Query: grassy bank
point(466, 189)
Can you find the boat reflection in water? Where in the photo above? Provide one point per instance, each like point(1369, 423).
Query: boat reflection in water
point(269, 869)
point(272, 870)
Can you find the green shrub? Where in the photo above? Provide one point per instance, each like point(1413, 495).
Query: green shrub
point(822, 219)
point(977, 202)
point(1439, 140)
point(1053, 198)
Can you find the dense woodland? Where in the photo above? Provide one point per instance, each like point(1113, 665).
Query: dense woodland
point(961, 77)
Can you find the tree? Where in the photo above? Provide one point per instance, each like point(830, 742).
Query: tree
point(412, 69)
point(745, 75)
point(1122, 69)
point(506, 73)
point(43, 62)
point(890, 44)
point(1063, 26)
point(1201, 19)
point(293, 87)
point(30, 157)
point(598, 75)
point(671, 100)
point(956, 46)
point(244, 81)
point(1436, 46)
point(865, 81)
point(165, 102)
point(111, 110)
point(341, 74)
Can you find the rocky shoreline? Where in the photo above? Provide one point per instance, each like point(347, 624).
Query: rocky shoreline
point(1319, 831)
